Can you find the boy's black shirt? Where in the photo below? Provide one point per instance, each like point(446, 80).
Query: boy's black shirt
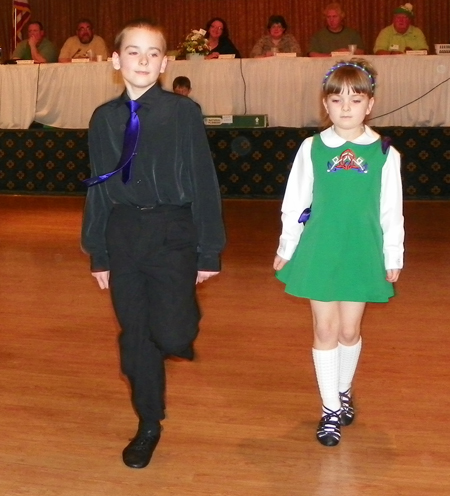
point(173, 166)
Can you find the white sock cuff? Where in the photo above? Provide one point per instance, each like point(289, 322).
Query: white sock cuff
point(352, 348)
point(325, 356)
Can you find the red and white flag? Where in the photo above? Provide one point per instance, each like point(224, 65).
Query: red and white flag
point(21, 15)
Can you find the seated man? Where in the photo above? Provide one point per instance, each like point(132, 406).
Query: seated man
point(84, 44)
point(335, 37)
point(37, 47)
point(400, 36)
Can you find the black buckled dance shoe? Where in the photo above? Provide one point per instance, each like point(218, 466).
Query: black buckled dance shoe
point(329, 428)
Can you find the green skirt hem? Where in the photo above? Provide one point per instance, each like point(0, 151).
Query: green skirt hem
point(334, 297)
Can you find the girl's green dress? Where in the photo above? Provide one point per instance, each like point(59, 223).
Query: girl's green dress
point(340, 253)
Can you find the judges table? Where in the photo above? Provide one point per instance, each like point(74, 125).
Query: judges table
point(286, 89)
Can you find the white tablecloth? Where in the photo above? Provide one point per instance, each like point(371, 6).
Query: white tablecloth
point(68, 94)
point(18, 88)
point(286, 89)
point(289, 90)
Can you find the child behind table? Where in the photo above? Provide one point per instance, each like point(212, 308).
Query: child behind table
point(182, 85)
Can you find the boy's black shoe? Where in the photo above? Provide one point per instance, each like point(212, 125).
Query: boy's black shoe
point(139, 451)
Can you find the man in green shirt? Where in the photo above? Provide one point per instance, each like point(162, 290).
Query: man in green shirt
point(36, 47)
point(401, 35)
point(335, 36)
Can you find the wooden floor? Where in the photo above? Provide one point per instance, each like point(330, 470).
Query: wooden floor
point(241, 418)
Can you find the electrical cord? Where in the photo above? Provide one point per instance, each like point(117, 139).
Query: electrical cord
point(409, 103)
point(370, 119)
point(245, 86)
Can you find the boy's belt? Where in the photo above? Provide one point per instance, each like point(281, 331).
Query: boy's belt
point(160, 207)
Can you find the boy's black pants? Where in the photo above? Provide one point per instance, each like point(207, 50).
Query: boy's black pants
point(153, 263)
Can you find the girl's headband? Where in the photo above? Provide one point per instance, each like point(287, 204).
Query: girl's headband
point(349, 64)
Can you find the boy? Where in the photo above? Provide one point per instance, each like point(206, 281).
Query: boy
point(155, 230)
point(182, 85)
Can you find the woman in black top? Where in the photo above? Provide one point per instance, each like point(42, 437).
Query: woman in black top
point(219, 42)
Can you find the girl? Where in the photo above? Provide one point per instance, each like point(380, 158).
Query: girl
point(350, 250)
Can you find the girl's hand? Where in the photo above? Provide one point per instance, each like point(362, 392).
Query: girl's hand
point(392, 275)
point(279, 262)
point(203, 275)
point(102, 278)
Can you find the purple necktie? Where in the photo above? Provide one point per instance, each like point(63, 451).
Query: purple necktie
point(130, 141)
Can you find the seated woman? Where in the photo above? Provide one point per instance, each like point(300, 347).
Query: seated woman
point(218, 40)
point(277, 40)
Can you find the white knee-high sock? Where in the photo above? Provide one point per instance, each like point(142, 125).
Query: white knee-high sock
point(348, 360)
point(326, 363)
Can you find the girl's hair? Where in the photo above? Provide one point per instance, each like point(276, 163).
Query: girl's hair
point(143, 24)
point(276, 19)
point(225, 33)
point(357, 74)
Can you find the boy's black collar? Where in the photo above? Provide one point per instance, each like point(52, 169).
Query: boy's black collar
point(152, 93)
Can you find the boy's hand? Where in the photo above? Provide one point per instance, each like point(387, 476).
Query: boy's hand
point(102, 278)
point(203, 275)
point(392, 275)
point(279, 262)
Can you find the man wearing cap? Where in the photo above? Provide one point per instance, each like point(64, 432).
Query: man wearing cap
point(401, 35)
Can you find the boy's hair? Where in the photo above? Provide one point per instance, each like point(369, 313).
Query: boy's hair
point(358, 74)
point(181, 82)
point(144, 24)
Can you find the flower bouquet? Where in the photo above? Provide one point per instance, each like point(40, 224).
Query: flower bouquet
point(194, 43)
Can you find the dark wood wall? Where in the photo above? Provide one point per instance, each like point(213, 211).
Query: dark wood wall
point(246, 18)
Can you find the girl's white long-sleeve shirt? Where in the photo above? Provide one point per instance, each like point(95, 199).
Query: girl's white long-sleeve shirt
point(299, 196)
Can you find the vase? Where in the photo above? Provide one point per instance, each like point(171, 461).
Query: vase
point(194, 56)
